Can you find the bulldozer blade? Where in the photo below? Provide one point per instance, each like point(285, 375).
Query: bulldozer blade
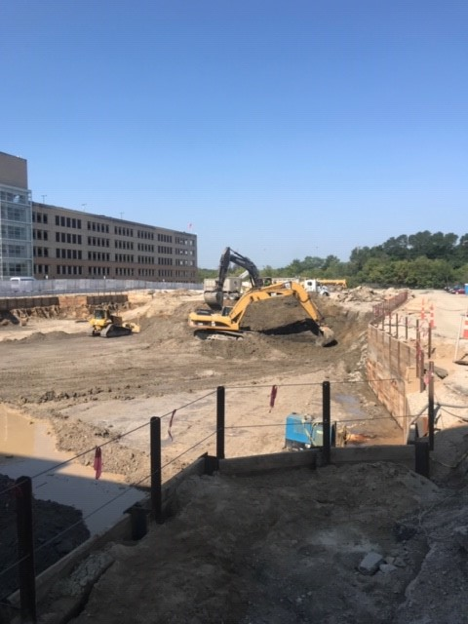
point(115, 331)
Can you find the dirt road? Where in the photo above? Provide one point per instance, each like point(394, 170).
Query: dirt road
point(276, 549)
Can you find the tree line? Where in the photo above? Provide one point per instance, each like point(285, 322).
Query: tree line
point(422, 260)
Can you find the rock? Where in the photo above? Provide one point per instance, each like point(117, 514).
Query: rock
point(371, 563)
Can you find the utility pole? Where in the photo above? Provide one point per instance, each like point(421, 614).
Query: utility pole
point(43, 198)
point(84, 207)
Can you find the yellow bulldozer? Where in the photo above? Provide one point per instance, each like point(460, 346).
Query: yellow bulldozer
point(106, 324)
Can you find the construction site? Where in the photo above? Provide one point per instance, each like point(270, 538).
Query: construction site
point(258, 539)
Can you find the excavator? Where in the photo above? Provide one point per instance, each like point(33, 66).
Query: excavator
point(227, 320)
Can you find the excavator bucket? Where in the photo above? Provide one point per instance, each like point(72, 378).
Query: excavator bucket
point(214, 298)
point(325, 337)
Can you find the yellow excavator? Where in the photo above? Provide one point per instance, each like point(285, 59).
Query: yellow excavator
point(218, 320)
point(108, 325)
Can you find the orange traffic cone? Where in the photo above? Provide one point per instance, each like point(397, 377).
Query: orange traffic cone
point(465, 328)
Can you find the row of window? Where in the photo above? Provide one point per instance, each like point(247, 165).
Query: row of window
point(70, 270)
point(69, 222)
point(100, 256)
point(69, 254)
point(72, 239)
point(98, 227)
point(165, 250)
point(15, 251)
point(123, 231)
point(62, 270)
point(77, 254)
point(98, 242)
point(15, 232)
point(39, 217)
point(41, 252)
point(128, 258)
point(122, 244)
point(14, 213)
point(16, 198)
point(40, 235)
point(145, 247)
point(145, 234)
point(184, 252)
point(10, 269)
point(184, 263)
point(184, 241)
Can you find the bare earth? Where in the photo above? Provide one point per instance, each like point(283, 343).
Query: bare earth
point(277, 548)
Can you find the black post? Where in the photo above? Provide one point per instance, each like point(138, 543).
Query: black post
point(431, 412)
point(422, 368)
point(220, 421)
point(27, 576)
point(138, 517)
point(326, 412)
point(156, 477)
point(421, 460)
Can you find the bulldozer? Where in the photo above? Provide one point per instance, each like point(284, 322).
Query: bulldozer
point(108, 325)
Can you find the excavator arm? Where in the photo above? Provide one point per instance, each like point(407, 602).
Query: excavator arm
point(229, 320)
point(214, 297)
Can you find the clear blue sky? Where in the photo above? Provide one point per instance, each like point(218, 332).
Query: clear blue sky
point(282, 129)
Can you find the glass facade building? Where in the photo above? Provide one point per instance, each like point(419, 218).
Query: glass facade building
point(16, 250)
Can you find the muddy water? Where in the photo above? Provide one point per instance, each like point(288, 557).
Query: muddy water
point(27, 448)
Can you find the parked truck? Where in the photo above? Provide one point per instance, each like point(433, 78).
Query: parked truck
point(232, 287)
point(314, 286)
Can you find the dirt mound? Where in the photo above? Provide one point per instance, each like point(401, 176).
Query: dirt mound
point(53, 335)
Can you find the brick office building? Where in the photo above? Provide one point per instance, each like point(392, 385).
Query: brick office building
point(53, 242)
point(73, 244)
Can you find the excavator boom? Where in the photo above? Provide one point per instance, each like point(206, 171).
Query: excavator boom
point(214, 297)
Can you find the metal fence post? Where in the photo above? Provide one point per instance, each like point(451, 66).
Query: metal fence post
point(431, 412)
point(156, 477)
point(27, 575)
point(220, 421)
point(326, 421)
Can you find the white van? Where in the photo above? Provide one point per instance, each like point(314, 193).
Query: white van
point(22, 284)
